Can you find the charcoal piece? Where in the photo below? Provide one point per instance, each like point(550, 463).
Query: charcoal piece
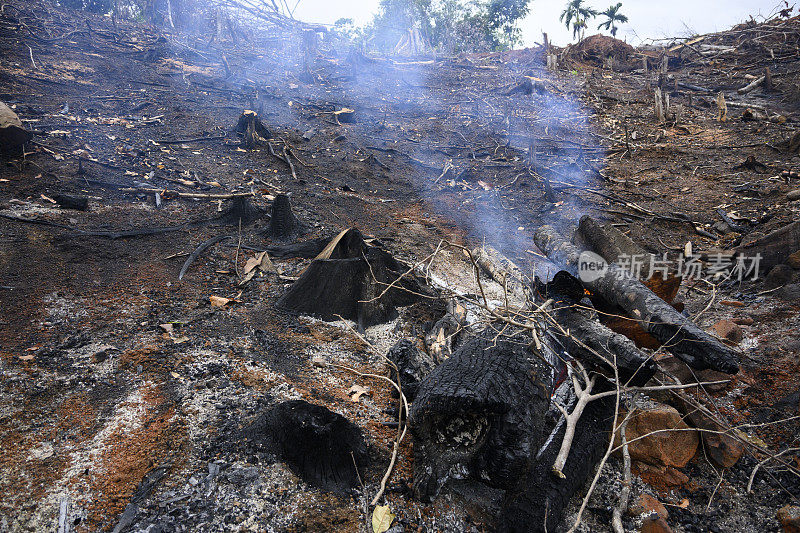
point(413, 364)
point(283, 224)
point(66, 201)
point(356, 289)
point(480, 414)
point(240, 209)
point(538, 502)
point(323, 448)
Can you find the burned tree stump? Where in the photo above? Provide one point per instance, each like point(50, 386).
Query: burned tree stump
point(241, 211)
point(283, 224)
point(323, 448)
point(252, 129)
point(480, 415)
point(366, 286)
point(774, 247)
point(537, 503)
point(12, 133)
point(616, 286)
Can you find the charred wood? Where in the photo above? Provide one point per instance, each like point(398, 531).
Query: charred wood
point(774, 247)
point(618, 287)
point(589, 341)
point(366, 289)
point(413, 364)
point(480, 415)
point(283, 224)
point(321, 447)
point(540, 498)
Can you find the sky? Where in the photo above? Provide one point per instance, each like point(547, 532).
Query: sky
point(648, 19)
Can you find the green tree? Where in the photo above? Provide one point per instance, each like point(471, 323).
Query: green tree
point(502, 17)
point(577, 14)
point(613, 16)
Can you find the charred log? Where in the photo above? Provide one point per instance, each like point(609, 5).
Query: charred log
point(68, 201)
point(589, 341)
point(538, 502)
point(283, 225)
point(321, 447)
point(618, 287)
point(306, 249)
point(414, 366)
point(358, 288)
point(480, 415)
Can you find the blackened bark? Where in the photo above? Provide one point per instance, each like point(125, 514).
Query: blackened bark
point(413, 364)
point(538, 502)
point(283, 224)
point(355, 289)
point(616, 286)
point(589, 341)
point(480, 414)
point(321, 447)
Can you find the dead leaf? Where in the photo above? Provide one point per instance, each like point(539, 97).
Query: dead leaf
point(175, 375)
point(26, 357)
point(382, 519)
point(166, 327)
point(356, 392)
point(219, 301)
point(684, 503)
point(179, 340)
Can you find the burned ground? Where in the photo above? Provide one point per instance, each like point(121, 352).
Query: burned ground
point(114, 371)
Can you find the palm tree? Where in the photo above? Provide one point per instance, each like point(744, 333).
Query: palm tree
point(613, 16)
point(577, 13)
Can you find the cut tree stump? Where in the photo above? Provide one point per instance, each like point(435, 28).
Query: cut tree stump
point(353, 280)
point(252, 129)
point(283, 224)
point(775, 248)
point(12, 133)
point(323, 448)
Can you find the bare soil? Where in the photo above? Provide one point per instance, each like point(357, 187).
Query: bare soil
point(97, 395)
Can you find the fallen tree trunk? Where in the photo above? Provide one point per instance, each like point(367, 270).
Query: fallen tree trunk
point(481, 413)
point(592, 343)
point(589, 341)
point(537, 503)
point(616, 286)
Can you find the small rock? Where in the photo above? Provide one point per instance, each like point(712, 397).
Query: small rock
point(728, 331)
point(665, 448)
point(789, 517)
point(794, 260)
point(647, 504)
point(655, 524)
point(779, 275)
point(681, 370)
point(793, 195)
